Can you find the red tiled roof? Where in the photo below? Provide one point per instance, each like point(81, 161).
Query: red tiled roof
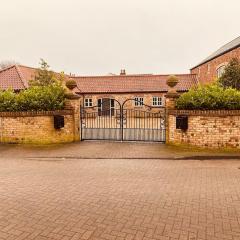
point(18, 76)
point(132, 83)
point(28, 73)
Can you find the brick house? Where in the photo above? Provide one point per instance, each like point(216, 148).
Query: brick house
point(213, 66)
point(146, 89)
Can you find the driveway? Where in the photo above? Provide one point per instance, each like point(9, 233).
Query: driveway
point(44, 196)
point(109, 150)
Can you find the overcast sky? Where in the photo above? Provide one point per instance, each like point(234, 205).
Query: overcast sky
point(90, 37)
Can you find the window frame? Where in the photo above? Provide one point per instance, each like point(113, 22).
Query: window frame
point(157, 101)
point(88, 102)
point(138, 101)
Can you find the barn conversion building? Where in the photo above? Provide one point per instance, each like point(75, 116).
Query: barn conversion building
point(213, 66)
point(148, 89)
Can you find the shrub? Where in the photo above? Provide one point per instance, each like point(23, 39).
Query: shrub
point(37, 98)
point(46, 93)
point(211, 97)
point(7, 101)
point(231, 75)
point(44, 76)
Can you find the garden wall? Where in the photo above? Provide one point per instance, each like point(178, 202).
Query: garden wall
point(210, 129)
point(36, 127)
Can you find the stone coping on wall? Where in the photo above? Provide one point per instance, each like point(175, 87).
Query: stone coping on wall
point(36, 113)
point(212, 113)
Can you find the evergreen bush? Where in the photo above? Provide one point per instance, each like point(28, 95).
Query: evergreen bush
point(37, 98)
point(210, 97)
point(231, 75)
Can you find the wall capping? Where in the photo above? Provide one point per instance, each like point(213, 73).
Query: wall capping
point(208, 113)
point(36, 113)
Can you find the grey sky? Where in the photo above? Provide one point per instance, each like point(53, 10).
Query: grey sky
point(101, 36)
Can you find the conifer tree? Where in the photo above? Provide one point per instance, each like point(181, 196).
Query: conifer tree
point(231, 75)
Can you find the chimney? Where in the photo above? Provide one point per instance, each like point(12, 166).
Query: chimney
point(123, 72)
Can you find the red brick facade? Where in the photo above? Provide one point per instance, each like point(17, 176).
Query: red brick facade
point(207, 72)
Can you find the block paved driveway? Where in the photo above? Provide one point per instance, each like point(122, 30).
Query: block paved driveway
point(117, 199)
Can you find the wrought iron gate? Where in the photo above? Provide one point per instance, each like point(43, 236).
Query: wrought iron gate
point(110, 120)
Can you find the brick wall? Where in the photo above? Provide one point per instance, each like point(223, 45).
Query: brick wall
point(211, 129)
point(206, 73)
point(36, 127)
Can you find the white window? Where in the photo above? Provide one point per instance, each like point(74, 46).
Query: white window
point(88, 102)
point(220, 71)
point(157, 101)
point(138, 101)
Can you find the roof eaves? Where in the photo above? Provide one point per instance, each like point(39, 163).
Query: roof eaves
point(131, 75)
point(7, 68)
point(129, 92)
point(218, 55)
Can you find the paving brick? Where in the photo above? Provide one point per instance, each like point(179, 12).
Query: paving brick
point(119, 199)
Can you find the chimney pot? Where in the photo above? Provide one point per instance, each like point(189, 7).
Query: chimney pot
point(123, 72)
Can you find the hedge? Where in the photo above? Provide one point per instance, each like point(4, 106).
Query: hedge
point(38, 98)
point(211, 97)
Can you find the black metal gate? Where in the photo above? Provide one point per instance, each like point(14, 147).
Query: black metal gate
point(110, 120)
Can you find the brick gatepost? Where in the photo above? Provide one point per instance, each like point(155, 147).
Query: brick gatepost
point(171, 97)
point(74, 102)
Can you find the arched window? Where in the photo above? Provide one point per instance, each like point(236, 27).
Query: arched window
point(220, 71)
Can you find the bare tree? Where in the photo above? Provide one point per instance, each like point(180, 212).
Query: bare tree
point(7, 63)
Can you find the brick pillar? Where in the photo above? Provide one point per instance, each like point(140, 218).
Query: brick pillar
point(171, 98)
point(73, 102)
point(170, 105)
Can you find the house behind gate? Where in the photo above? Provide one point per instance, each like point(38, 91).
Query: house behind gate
point(145, 89)
point(142, 89)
